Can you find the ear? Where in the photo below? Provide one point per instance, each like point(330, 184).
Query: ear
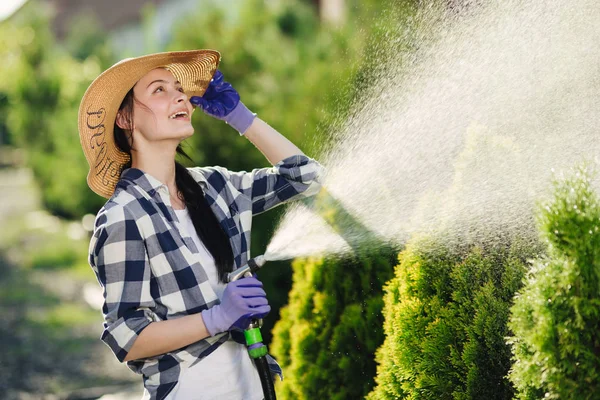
point(122, 122)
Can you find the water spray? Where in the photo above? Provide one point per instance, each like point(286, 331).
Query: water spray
point(461, 133)
point(254, 340)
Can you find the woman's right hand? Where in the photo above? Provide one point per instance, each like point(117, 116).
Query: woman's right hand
point(243, 300)
point(222, 101)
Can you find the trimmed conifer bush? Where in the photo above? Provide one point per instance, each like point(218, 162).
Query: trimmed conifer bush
point(556, 316)
point(328, 333)
point(446, 313)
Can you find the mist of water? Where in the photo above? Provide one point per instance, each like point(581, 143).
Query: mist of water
point(467, 133)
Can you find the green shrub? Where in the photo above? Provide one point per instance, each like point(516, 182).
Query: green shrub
point(329, 331)
point(44, 90)
point(445, 313)
point(556, 316)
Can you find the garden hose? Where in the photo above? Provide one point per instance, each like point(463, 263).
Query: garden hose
point(254, 341)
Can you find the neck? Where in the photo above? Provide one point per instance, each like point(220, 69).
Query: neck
point(158, 161)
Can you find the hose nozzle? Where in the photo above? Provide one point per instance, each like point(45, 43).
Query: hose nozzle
point(253, 265)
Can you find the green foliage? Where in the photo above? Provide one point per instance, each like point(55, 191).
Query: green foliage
point(87, 39)
point(446, 312)
point(555, 319)
point(44, 91)
point(329, 331)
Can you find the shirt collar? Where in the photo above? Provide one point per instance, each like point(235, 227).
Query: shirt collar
point(198, 177)
point(145, 181)
point(150, 184)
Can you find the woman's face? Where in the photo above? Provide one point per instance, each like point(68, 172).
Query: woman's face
point(165, 112)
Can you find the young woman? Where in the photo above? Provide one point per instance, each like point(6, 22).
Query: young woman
point(167, 237)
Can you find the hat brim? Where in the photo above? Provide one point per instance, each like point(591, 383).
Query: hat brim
point(194, 69)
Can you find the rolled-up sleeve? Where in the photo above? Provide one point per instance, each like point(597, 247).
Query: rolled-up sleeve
point(118, 257)
point(291, 178)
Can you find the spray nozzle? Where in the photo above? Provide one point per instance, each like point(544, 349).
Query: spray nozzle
point(251, 267)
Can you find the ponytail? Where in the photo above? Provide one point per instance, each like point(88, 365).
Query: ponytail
point(207, 225)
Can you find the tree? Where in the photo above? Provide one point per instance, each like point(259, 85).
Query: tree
point(329, 331)
point(44, 92)
point(446, 313)
point(555, 319)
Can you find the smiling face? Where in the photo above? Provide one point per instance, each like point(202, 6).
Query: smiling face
point(161, 110)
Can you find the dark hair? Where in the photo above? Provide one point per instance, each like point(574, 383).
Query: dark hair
point(205, 222)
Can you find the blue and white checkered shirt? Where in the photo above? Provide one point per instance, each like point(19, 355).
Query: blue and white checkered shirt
point(149, 272)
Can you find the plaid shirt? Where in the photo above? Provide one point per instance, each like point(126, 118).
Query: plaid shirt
point(149, 272)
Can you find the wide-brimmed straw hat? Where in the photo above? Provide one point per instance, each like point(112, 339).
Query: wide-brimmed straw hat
point(99, 106)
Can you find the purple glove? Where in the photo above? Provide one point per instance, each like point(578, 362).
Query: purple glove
point(222, 101)
point(242, 301)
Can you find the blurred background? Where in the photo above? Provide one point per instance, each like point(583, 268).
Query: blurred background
point(441, 319)
point(299, 64)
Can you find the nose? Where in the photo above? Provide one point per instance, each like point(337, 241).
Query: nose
point(181, 97)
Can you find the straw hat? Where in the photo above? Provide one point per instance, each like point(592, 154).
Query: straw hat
point(100, 104)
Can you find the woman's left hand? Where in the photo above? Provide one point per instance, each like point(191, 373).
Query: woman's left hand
point(222, 101)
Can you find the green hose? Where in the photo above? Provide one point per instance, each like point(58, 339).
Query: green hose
point(258, 352)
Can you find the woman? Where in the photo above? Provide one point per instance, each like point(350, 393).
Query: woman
point(167, 237)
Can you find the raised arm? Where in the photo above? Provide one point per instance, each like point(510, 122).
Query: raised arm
point(222, 101)
point(274, 146)
point(292, 175)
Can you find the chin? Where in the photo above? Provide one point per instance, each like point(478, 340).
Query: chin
point(184, 133)
point(189, 133)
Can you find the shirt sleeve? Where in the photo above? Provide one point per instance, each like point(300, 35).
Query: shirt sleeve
point(293, 177)
point(118, 257)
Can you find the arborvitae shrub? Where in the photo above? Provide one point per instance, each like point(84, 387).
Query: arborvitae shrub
point(328, 333)
point(446, 313)
point(556, 316)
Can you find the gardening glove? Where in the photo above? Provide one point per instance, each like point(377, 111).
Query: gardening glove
point(222, 101)
point(243, 300)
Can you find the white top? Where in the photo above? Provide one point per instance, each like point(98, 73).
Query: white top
point(228, 372)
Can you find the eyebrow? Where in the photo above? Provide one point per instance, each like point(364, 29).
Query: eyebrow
point(161, 81)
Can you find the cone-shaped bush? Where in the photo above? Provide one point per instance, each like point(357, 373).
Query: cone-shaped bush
point(556, 316)
point(328, 333)
point(446, 314)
